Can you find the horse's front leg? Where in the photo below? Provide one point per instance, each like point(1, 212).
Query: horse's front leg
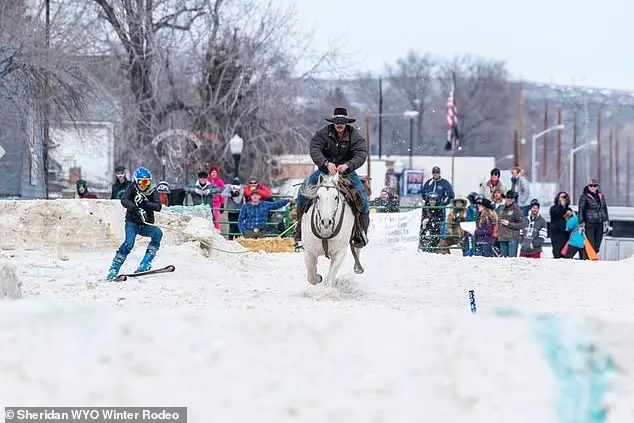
point(336, 260)
point(312, 276)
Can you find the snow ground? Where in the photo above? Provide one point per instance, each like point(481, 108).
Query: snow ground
point(242, 337)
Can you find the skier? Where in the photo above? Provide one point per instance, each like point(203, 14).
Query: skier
point(141, 200)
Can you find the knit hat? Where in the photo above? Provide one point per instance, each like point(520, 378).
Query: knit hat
point(535, 202)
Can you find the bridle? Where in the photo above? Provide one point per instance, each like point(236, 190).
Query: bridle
point(316, 214)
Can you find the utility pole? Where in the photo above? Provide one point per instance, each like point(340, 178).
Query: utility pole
point(45, 115)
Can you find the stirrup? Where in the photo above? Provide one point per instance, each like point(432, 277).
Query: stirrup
point(360, 240)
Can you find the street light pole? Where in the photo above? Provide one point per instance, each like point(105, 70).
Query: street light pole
point(572, 167)
point(236, 144)
point(411, 114)
point(534, 149)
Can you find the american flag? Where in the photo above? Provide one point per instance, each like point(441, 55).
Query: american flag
point(453, 138)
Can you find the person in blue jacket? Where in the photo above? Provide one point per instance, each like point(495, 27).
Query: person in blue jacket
point(440, 186)
point(576, 243)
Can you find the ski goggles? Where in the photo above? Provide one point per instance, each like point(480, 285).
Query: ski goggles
point(144, 182)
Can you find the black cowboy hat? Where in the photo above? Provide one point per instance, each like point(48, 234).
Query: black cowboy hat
point(340, 115)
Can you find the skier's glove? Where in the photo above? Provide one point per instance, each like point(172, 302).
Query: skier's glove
point(142, 214)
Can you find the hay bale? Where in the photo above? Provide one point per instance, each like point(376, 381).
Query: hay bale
point(268, 245)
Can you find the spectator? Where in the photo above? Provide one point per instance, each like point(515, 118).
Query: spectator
point(82, 190)
point(265, 192)
point(455, 235)
point(486, 228)
point(497, 198)
point(472, 216)
point(254, 216)
point(576, 242)
point(234, 195)
point(217, 201)
point(522, 190)
point(593, 215)
point(121, 183)
point(511, 222)
point(203, 190)
point(385, 203)
point(534, 233)
point(440, 186)
point(430, 224)
point(488, 188)
point(558, 233)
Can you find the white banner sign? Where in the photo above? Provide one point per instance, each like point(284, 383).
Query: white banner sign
point(395, 228)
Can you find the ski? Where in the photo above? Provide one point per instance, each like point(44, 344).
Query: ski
point(124, 276)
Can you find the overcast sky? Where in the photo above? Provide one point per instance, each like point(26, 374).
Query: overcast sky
point(585, 42)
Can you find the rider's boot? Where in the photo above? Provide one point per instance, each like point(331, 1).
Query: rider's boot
point(297, 235)
point(362, 240)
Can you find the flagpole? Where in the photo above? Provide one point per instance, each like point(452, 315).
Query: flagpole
point(453, 137)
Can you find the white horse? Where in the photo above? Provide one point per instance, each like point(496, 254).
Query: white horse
point(327, 229)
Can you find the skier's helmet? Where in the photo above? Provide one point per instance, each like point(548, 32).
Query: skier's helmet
point(142, 178)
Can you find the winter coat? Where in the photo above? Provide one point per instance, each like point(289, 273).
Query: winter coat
point(522, 191)
point(442, 188)
point(557, 220)
point(533, 234)
point(150, 205)
point(351, 149)
point(592, 208)
point(119, 188)
point(454, 218)
point(265, 192)
point(235, 198)
point(487, 188)
point(217, 200)
point(514, 215)
point(202, 194)
point(485, 229)
point(577, 238)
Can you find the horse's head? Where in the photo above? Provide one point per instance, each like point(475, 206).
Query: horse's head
point(327, 200)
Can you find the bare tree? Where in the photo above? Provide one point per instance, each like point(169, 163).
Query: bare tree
point(38, 76)
point(411, 79)
point(137, 25)
point(483, 99)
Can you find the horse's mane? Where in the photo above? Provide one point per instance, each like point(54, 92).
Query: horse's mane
point(310, 191)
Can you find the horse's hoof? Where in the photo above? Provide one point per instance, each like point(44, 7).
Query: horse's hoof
point(358, 270)
point(318, 280)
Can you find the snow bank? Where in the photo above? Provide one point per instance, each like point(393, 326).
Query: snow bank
point(243, 337)
point(89, 225)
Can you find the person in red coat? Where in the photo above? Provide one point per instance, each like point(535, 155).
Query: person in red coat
point(265, 192)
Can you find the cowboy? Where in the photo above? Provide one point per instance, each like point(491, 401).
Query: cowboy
point(337, 148)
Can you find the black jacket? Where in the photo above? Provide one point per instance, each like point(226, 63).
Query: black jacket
point(592, 208)
point(150, 205)
point(557, 220)
point(118, 189)
point(325, 146)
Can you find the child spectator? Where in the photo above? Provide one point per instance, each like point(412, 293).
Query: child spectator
point(234, 195)
point(576, 243)
point(217, 200)
point(534, 233)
